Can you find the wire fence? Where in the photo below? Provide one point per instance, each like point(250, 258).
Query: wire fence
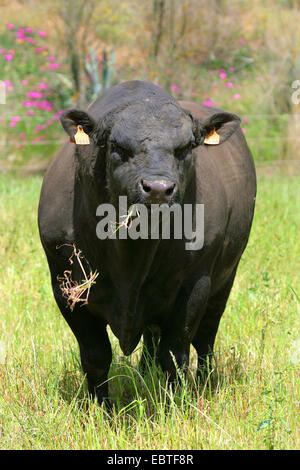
point(262, 166)
point(39, 141)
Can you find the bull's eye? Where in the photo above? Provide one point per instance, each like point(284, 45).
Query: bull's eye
point(182, 152)
point(122, 152)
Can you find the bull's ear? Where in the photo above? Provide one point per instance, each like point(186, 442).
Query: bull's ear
point(72, 118)
point(216, 128)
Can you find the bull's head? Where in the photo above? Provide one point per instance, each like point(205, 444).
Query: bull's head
point(146, 146)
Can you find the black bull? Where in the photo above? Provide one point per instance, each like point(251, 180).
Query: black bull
point(148, 147)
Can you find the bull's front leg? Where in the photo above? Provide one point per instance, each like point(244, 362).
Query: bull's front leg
point(178, 333)
point(94, 345)
point(173, 355)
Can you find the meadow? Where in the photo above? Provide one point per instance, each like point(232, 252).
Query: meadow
point(252, 398)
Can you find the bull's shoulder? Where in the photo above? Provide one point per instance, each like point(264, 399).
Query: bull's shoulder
point(55, 214)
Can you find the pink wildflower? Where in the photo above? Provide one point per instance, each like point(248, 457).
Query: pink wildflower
point(10, 26)
point(208, 102)
point(174, 88)
point(229, 84)
point(53, 66)
point(56, 115)
point(236, 96)
point(8, 57)
point(34, 94)
point(42, 34)
point(46, 105)
point(223, 75)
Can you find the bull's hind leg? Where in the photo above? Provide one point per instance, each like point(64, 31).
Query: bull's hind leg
point(204, 338)
point(94, 345)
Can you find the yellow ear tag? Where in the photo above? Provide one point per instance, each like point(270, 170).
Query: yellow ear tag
point(213, 138)
point(81, 138)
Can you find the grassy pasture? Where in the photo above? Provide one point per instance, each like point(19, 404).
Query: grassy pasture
point(252, 398)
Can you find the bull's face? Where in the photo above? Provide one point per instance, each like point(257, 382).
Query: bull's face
point(149, 154)
point(147, 148)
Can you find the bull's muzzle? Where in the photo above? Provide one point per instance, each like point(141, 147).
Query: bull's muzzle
point(157, 191)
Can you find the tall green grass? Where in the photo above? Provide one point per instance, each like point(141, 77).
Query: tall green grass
point(252, 397)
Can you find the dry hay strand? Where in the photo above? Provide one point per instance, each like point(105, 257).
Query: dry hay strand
point(72, 290)
point(127, 219)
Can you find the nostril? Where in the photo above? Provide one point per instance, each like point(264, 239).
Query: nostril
point(157, 190)
point(170, 190)
point(145, 187)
